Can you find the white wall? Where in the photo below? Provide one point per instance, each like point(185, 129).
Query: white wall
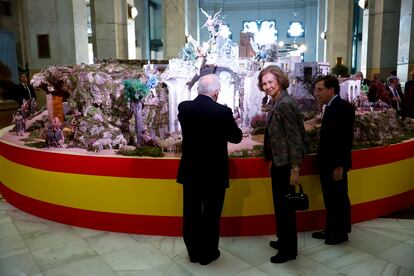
point(65, 23)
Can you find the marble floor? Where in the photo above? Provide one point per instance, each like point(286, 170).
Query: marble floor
point(33, 246)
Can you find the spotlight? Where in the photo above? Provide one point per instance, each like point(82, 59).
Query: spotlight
point(363, 4)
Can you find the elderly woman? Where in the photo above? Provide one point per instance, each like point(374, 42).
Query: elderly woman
point(284, 148)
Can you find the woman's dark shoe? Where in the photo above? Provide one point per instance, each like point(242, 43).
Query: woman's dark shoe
point(194, 259)
point(281, 258)
point(274, 244)
point(321, 235)
point(208, 259)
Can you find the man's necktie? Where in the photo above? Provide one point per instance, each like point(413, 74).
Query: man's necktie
point(28, 90)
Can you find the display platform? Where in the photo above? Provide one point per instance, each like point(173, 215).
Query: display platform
point(140, 195)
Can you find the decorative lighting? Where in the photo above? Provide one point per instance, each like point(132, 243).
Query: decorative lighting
point(281, 44)
point(264, 31)
point(296, 30)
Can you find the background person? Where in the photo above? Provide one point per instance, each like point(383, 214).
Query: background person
point(24, 90)
point(284, 150)
point(394, 94)
point(207, 127)
point(360, 76)
point(409, 97)
point(377, 90)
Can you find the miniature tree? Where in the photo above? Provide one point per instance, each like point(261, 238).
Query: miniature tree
point(135, 92)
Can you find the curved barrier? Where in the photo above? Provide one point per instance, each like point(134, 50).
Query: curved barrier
point(140, 195)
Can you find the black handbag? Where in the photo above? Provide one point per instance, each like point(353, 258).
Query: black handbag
point(297, 201)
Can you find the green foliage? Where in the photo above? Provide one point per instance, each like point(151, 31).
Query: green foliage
point(39, 124)
point(135, 90)
point(36, 144)
point(258, 147)
point(340, 70)
point(258, 130)
point(142, 151)
point(257, 151)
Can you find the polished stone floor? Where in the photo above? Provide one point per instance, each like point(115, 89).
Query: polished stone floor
point(33, 246)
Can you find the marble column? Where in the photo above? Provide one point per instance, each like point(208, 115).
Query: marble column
point(379, 48)
point(339, 32)
point(180, 20)
point(63, 25)
point(405, 62)
point(110, 28)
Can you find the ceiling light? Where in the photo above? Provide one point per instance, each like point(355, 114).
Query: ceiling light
point(134, 12)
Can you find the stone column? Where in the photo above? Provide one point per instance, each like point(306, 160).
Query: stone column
point(405, 62)
point(110, 28)
point(339, 32)
point(180, 17)
point(380, 37)
point(62, 25)
point(321, 26)
point(142, 30)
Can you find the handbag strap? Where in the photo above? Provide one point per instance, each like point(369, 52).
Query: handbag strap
point(293, 189)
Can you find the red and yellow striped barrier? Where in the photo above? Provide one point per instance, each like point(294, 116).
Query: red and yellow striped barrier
point(140, 195)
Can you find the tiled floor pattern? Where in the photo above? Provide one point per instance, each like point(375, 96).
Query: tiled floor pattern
point(33, 246)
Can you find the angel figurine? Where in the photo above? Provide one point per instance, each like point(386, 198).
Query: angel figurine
point(212, 23)
point(260, 51)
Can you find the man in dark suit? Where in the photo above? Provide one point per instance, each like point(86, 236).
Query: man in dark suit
point(409, 97)
point(334, 159)
point(394, 93)
point(24, 90)
point(207, 127)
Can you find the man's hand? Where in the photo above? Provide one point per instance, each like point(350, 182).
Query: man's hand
point(337, 173)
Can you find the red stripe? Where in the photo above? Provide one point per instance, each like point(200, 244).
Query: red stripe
point(90, 164)
point(171, 226)
point(162, 168)
point(371, 157)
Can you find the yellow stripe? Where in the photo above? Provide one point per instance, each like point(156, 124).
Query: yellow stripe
point(98, 193)
point(160, 197)
point(381, 181)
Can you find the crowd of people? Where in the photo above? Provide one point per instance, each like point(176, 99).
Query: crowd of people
point(390, 93)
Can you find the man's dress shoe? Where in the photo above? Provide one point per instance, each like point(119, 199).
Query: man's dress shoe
point(274, 244)
point(281, 258)
point(208, 259)
point(321, 235)
point(336, 239)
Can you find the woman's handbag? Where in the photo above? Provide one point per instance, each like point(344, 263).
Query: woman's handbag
point(297, 201)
